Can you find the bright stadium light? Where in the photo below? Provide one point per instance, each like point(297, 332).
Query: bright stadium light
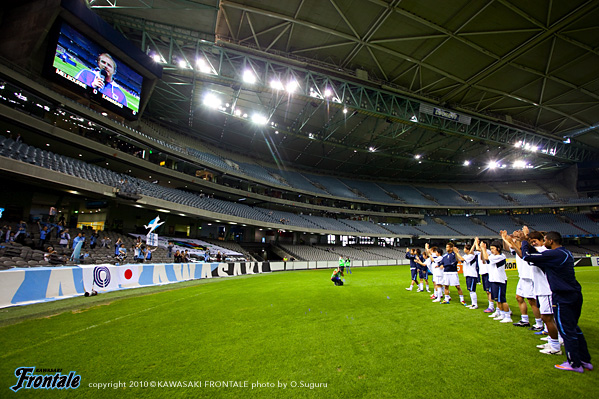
point(276, 84)
point(466, 163)
point(249, 77)
point(519, 164)
point(292, 86)
point(328, 92)
point(183, 64)
point(345, 110)
point(417, 156)
point(493, 165)
point(259, 119)
point(203, 66)
point(211, 101)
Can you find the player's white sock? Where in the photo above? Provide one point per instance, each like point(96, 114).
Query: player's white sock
point(524, 318)
point(461, 298)
point(473, 298)
point(538, 322)
point(447, 298)
point(491, 305)
point(554, 343)
point(420, 286)
point(439, 293)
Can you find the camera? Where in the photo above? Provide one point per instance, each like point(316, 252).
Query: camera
point(92, 293)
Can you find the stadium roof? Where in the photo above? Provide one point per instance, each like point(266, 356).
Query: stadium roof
point(419, 90)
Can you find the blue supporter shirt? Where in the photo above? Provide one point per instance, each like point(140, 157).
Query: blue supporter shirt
point(558, 265)
point(411, 257)
point(450, 263)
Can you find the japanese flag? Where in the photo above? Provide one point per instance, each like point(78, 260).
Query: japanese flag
point(129, 275)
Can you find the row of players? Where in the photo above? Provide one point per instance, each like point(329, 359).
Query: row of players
point(546, 281)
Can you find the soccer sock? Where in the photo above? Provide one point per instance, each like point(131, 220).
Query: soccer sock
point(473, 298)
point(538, 322)
point(501, 314)
point(491, 305)
point(447, 298)
point(554, 343)
point(524, 318)
point(439, 293)
point(420, 286)
point(461, 298)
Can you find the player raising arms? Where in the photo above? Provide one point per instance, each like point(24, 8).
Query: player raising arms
point(483, 269)
point(469, 269)
point(436, 256)
point(558, 263)
point(498, 279)
point(412, 254)
point(424, 266)
point(525, 288)
point(450, 272)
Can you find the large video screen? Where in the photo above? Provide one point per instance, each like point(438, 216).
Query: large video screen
point(80, 62)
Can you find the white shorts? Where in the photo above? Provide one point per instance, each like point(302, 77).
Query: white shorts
point(525, 288)
point(438, 277)
point(545, 304)
point(451, 279)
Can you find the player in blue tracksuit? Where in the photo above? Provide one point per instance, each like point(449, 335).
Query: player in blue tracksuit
point(412, 254)
point(558, 264)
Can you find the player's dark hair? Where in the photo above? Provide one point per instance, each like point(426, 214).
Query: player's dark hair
point(437, 250)
point(554, 236)
point(497, 244)
point(450, 244)
point(535, 235)
point(418, 251)
point(467, 247)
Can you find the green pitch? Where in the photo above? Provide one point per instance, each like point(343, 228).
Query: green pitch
point(73, 70)
point(370, 338)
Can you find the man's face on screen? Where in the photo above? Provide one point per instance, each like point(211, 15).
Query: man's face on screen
point(106, 63)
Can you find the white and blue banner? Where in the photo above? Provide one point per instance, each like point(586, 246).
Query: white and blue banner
point(22, 286)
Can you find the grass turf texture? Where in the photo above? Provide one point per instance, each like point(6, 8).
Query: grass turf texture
point(370, 338)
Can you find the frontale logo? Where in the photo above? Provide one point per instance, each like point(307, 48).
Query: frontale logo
point(26, 379)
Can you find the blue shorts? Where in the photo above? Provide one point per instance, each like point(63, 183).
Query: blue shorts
point(414, 273)
point(486, 284)
point(423, 273)
point(471, 283)
point(498, 292)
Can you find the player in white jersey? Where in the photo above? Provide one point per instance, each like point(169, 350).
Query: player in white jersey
point(498, 279)
point(436, 255)
point(469, 270)
point(543, 293)
point(484, 274)
point(525, 288)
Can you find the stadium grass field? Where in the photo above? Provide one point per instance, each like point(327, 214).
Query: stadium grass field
point(368, 339)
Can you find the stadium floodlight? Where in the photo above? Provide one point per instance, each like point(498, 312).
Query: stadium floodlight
point(466, 163)
point(493, 165)
point(238, 112)
point(203, 66)
point(249, 77)
point(328, 92)
point(345, 110)
point(292, 86)
point(211, 101)
point(259, 119)
point(276, 84)
point(371, 149)
point(417, 156)
point(519, 164)
point(157, 58)
point(183, 64)
point(414, 119)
